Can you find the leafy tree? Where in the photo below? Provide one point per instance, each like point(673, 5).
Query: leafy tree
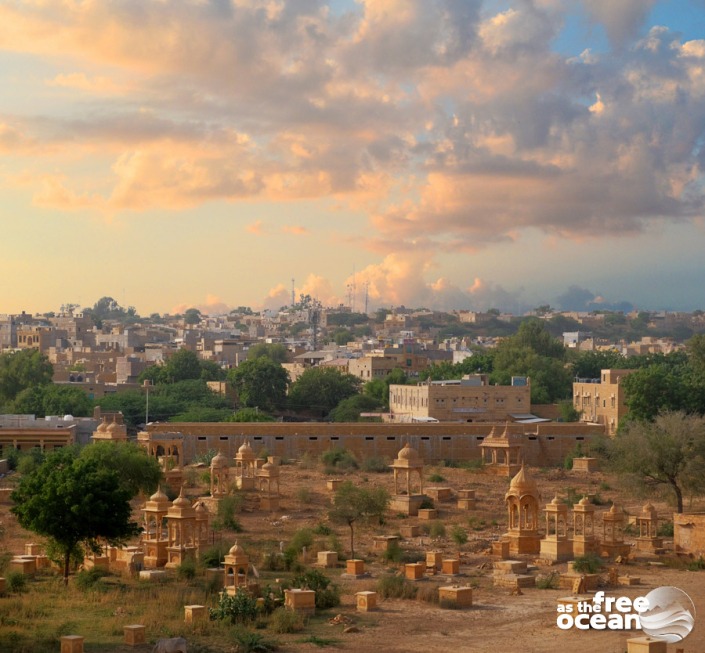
point(21, 370)
point(182, 365)
point(379, 388)
point(249, 415)
point(52, 399)
point(211, 371)
point(260, 382)
point(137, 472)
point(192, 316)
point(352, 504)
point(106, 308)
point(696, 352)
point(348, 410)
point(589, 364)
point(202, 414)
point(342, 337)
point(276, 352)
point(651, 390)
point(321, 389)
point(568, 411)
point(668, 452)
point(75, 503)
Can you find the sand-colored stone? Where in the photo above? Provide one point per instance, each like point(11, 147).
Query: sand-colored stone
point(153, 575)
point(327, 559)
point(451, 567)
point(355, 567)
point(646, 645)
point(333, 484)
point(72, 644)
point(428, 513)
point(384, 542)
point(501, 548)
point(195, 613)
point(366, 601)
point(134, 634)
point(440, 494)
point(32, 549)
point(514, 581)
point(23, 565)
point(408, 530)
point(586, 465)
point(415, 571)
point(298, 600)
point(510, 566)
point(434, 559)
point(459, 597)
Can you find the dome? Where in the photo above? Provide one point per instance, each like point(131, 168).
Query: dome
point(246, 450)
point(523, 482)
point(268, 465)
point(102, 427)
point(181, 500)
point(555, 501)
point(219, 460)
point(200, 507)
point(159, 496)
point(648, 508)
point(584, 502)
point(408, 453)
point(236, 549)
point(112, 427)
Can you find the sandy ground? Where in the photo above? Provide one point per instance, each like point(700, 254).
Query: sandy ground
point(498, 621)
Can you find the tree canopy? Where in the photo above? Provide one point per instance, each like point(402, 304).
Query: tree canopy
point(260, 382)
point(320, 389)
point(52, 399)
point(21, 370)
point(183, 365)
point(666, 452)
point(275, 352)
point(75, 503)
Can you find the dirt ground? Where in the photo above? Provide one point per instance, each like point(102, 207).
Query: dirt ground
point(498, 621)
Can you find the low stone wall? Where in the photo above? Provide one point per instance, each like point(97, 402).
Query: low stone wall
point(689, 533)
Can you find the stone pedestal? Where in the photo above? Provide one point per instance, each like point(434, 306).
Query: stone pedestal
point(415, 571)
point(298, 600)
point(584, 545)
point(195, 613)
point(32, 549)
point(333, 484)
point(410, 531)
point(42, 562)
point(366, 601)
point(215, 575)
point(384, 542)
point(72, 644)
point(135, 634)
point(616, 550)
point(434, 559)
point(428, 513)
point(269, 502)
point(627, 581)
point(439, 493)
point(510, 566)
point(514, 581)
point(152, 575)
point(451, 567)
point(327, 559)
point(23, 565)
point(568, 581)
point(524, 543)
point(646, 645)
point(558, 550)
point(454, 596)
point(406, 505)
point(245, 483)
point(586, 465)
point(649, 544)
point(501, 548)
point(466, 504)
point(355, 569)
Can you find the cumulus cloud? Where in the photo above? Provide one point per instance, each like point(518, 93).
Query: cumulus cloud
point(213, 305)
point(576, 298)
point(622, 20)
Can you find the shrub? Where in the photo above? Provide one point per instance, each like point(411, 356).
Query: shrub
point(322, 529)
point(436, 478)
point(427, 503)
point(696, 565)
point(187, 570)
point(548, 582)
point(301, 538)
point(339, 458)
point(213, 556)
point(286, 621)
point(16, 583)
point(237, 609)
point(437, 529)
point(376, 465)
point(227, 507)
point(249, 642)
point(394, 553)
point(590, 563)
point(87, 579)
point(476, 523)
point(327, 594)
point(304, 495)
point(395, 587)
point(273, 561)
point(459, 535)
point(665, 529)
point(427, 593)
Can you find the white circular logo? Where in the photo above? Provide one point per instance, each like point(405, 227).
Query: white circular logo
point(670, 615)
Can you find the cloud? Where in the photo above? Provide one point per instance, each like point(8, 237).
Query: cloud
point(213, 305)
point(582, 299)
point(256, 228)
point(80, 81)
point(295, 230)
point(622, 20)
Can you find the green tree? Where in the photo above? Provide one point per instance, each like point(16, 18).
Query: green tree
point(260, 382)
point(137, 472)
point(352, 504)
point(75, 503)
point(668, 452)
point(589, 364)
point(192, 316)
point(249, 415)
point(653, 389)
point(348, 410)
point(320, 389)
point(21, 370)
point(276, 352)
point(53, 399)
point(182, 365)
point(696, 352)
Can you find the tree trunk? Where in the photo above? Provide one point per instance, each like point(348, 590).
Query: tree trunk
point(679, 497)
point(67, 559)
point(352, 545)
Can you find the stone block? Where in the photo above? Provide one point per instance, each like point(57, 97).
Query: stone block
point(556, 550)
point(415, 571)
point(298, 600)
point(42, 562)
point(646, 645)
point(466, 494)
point(327, 559)
point(135, 634)
point(72, 644)
point(153, 575)
point(195, 613)
point(513, 581)
point(410, 531)
point(428, 513)
point(586, 465)
point(629, 580)
point(407, 505)
point(510, 566)
point(215, 575)
point(434, 560)
point(439, 493)
point(466, 504)
point(567, 581)
point(333, 484)
point(274, 460)
point(355, 567)
point(269, 502)
point(501, 548)
point(366, 601)
point(454, 596)
point(451, 567)
point(384, 542)
point(32, 549)
point(23, 565)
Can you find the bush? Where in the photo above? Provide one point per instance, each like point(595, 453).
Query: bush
point(213, 556)
point(376, 465)
point(240, 608)
point(87, 579)
point(427, 593)
point(227, 507)
point(696, 565)
point(437, 529)
point(459, 535)
point(436, 478)
point(327, 594)
point(322, 529)
point(186, 570)
point(301, 538)
point(340, 459)
point(16, 582)
point(394, 553)
point(286, 621)
point(427, 504)
point(396, 587)
point(665, 529)
point(273, 561)
point(249, 642)
point(590, 563)
point(304, 495)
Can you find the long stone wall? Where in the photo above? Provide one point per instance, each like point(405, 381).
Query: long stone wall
point(544, 444)
point(689, 533)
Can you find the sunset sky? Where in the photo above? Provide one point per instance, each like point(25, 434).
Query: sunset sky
point(442, 153)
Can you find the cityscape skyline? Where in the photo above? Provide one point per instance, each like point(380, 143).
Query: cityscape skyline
point(450, 154)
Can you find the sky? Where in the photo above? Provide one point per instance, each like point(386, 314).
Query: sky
point(450, 154)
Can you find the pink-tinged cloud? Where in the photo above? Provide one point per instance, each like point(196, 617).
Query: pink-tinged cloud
point(256, 228)
point(295, 230)
point(213, 305)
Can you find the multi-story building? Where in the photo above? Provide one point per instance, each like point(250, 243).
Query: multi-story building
point(601, 401)
point(470, 399)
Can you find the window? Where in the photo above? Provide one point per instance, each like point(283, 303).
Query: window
point(312, 437)
point(391, 437)
point(334, 437)
point(201, 438)
point(223, 438)
point(278, 437)
point(447, 437)
point(369, 437)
